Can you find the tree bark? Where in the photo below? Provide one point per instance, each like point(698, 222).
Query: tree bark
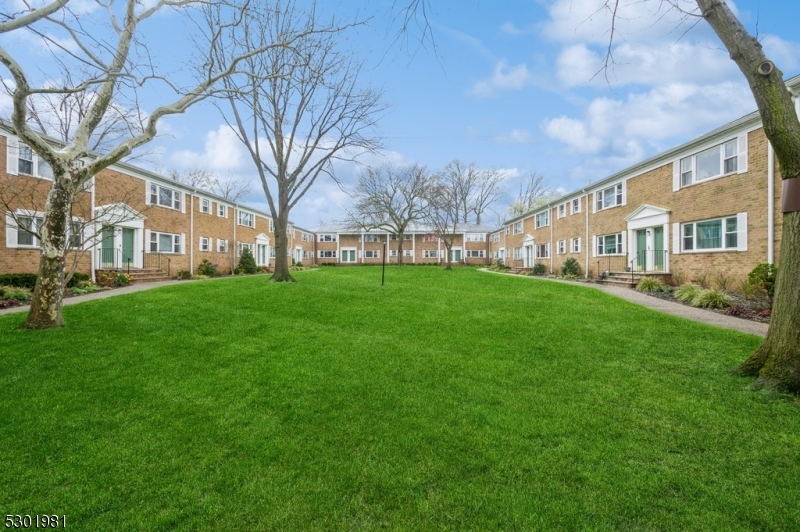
point(777, 361)
point(48, 295)
point(281, 274)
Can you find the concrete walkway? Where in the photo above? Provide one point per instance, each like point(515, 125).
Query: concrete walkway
point(628, 294)
point(670, 307)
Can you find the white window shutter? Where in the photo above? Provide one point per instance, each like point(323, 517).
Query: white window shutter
point(11, 232)
point(147, 195)
point(12, 158)
point(147, 240)
point(676, 175)
point(741, 164)
point(624, 241)
point(184, 199)
point(594, 245)
point(741, 228)
point(183, 243)
point(579, 244)
point(676, 239)
point(624, 192)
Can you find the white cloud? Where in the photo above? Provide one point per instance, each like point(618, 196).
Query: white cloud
point(515, 136)
point(223, 151)
point(504, 77)
point(785, 54)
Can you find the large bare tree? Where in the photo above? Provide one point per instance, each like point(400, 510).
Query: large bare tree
point(298, 110)
point(475, 189)
point(534, 192)
point(444, 210)
point(390, 198)
point(229, 187)
point(107, 41)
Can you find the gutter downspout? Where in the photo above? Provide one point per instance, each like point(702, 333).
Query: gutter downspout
point(552, 247)
point(92, 258)
point(770, 203)
point(586, 239)
point(191, 230)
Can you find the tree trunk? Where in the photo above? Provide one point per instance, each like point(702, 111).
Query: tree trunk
point(281, 274)
point(48, 295)
point(777, 361)
point(400, 237)
point(449, 257)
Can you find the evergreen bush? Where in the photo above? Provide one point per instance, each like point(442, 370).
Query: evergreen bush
point(571, 266)
point(247, 263)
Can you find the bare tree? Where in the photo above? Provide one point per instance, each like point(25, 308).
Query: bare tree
point(390, 198)
point(228, 187)
point(533, 193)
point(109, 46)
point(297, 111)
point(443, 211)
point(476, 189)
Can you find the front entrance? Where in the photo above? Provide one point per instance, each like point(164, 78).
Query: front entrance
point(128, 239)
point(262, 255)
point(455, 255)
point(107, 248)
point(650, 252)
point(349, 255)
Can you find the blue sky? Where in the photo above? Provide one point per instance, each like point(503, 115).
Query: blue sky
point(511, 85)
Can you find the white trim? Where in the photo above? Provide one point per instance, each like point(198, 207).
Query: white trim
point(741, 163)
point(12, 153)
point(741, 230)
point(676, 238)
point(676, 175)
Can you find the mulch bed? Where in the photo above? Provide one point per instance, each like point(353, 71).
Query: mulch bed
point(753, 309)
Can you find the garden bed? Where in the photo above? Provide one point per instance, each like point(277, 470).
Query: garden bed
point(753, 309)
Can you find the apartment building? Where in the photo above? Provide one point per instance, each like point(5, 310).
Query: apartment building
point(338, 244)
point(133, 219)
point(702, 208)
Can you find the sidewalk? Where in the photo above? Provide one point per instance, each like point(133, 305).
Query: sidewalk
point(669, 307)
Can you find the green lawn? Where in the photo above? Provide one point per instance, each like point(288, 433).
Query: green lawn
point(447, 400)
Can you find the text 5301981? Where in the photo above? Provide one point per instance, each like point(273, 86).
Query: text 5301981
point(36, 521)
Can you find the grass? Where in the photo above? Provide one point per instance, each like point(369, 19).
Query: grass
point(447, 400)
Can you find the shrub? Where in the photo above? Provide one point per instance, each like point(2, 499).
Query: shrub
point(678, 278)
point(106, 278)
point(77, 278)
point(735, 310)
point(571, 267)
point(687, 292)
point(184, 274)
point(19, 280)
point(701, 280)
point(650, 284)
point(122, 279)
point(723, 280)
point(497, 265)
point(207, 268)
point(199, 276)
point(711, 299)
point(539, 269)
point(570, 277)
point(764, 275)
point(247, 263)
point(15, 292)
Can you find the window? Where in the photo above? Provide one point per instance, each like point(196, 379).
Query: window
point(205, 206)
point(327, 238)
point(241, 246)
point(25, 159)
point(75, 235)
point(430, 238)
point(166, 197)
point(406, 252)
point(508, 229)
point(430, 253)
point(610, 197)
point(543, 219)
point(518, 227)
point(327, 253)
point(305, 254)
point(496, 237)
point(562, 247)
point(517, 253)
point(31, 164)
point(372, 254)
point(562, 210)
point(222, 245)
point(722, 233)
point(476, 237)
point(371, 238)
point(305, 237)
point(543, 251)
point(271, 226)
point(222, 210)
point(405, 237)
point(576, 245)
point(205, 243)
point(713, 162)
point(576, 206)
point(26, 227)
point(246, 219)
point(165, 243)
point(476, 254)
point(609, 244)
point(393, 253)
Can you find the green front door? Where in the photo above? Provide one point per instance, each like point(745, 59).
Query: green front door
point(658, 247)
point(127, 247)
point(641, 250)
point(455, 255)
point(107, 248)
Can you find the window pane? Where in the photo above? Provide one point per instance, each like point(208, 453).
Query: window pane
point(45, 170)
point(165, 243)
point(708, 164)
point(731, 233)
point(24, 237)
point(709, 234)
point(609, 198)
point(165, 197)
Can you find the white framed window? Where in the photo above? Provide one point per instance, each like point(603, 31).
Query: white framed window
point(576, 245)
point(165, 197)
point(430, 253)
point(372, 254)
point(271, 226)
point(305, 237)
point(205, 243)
point(26, 227)
point(609, 197)
point(476, 254)
point(21, 159)
point(165, 242)
point(406, 252)
point(205, 206)
point(562, 210)
point(610, 244)
point(496, 237)
point(372, 238)
point(543, 219)
point(327, 253)
point(517, 227)
point(405, 237)
point(241, 246)
point(517, 253)
point(562, 247)
point(714, 162)
point(327, 237)
point(305, 254)
point(75, 235)
point(576, 206)
point(508, 229)
point(393, 253)
point(475, 237)
point(543, 251)
point(222, 210)
point(222, 245)
point(713, 235)
point(246, 219)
